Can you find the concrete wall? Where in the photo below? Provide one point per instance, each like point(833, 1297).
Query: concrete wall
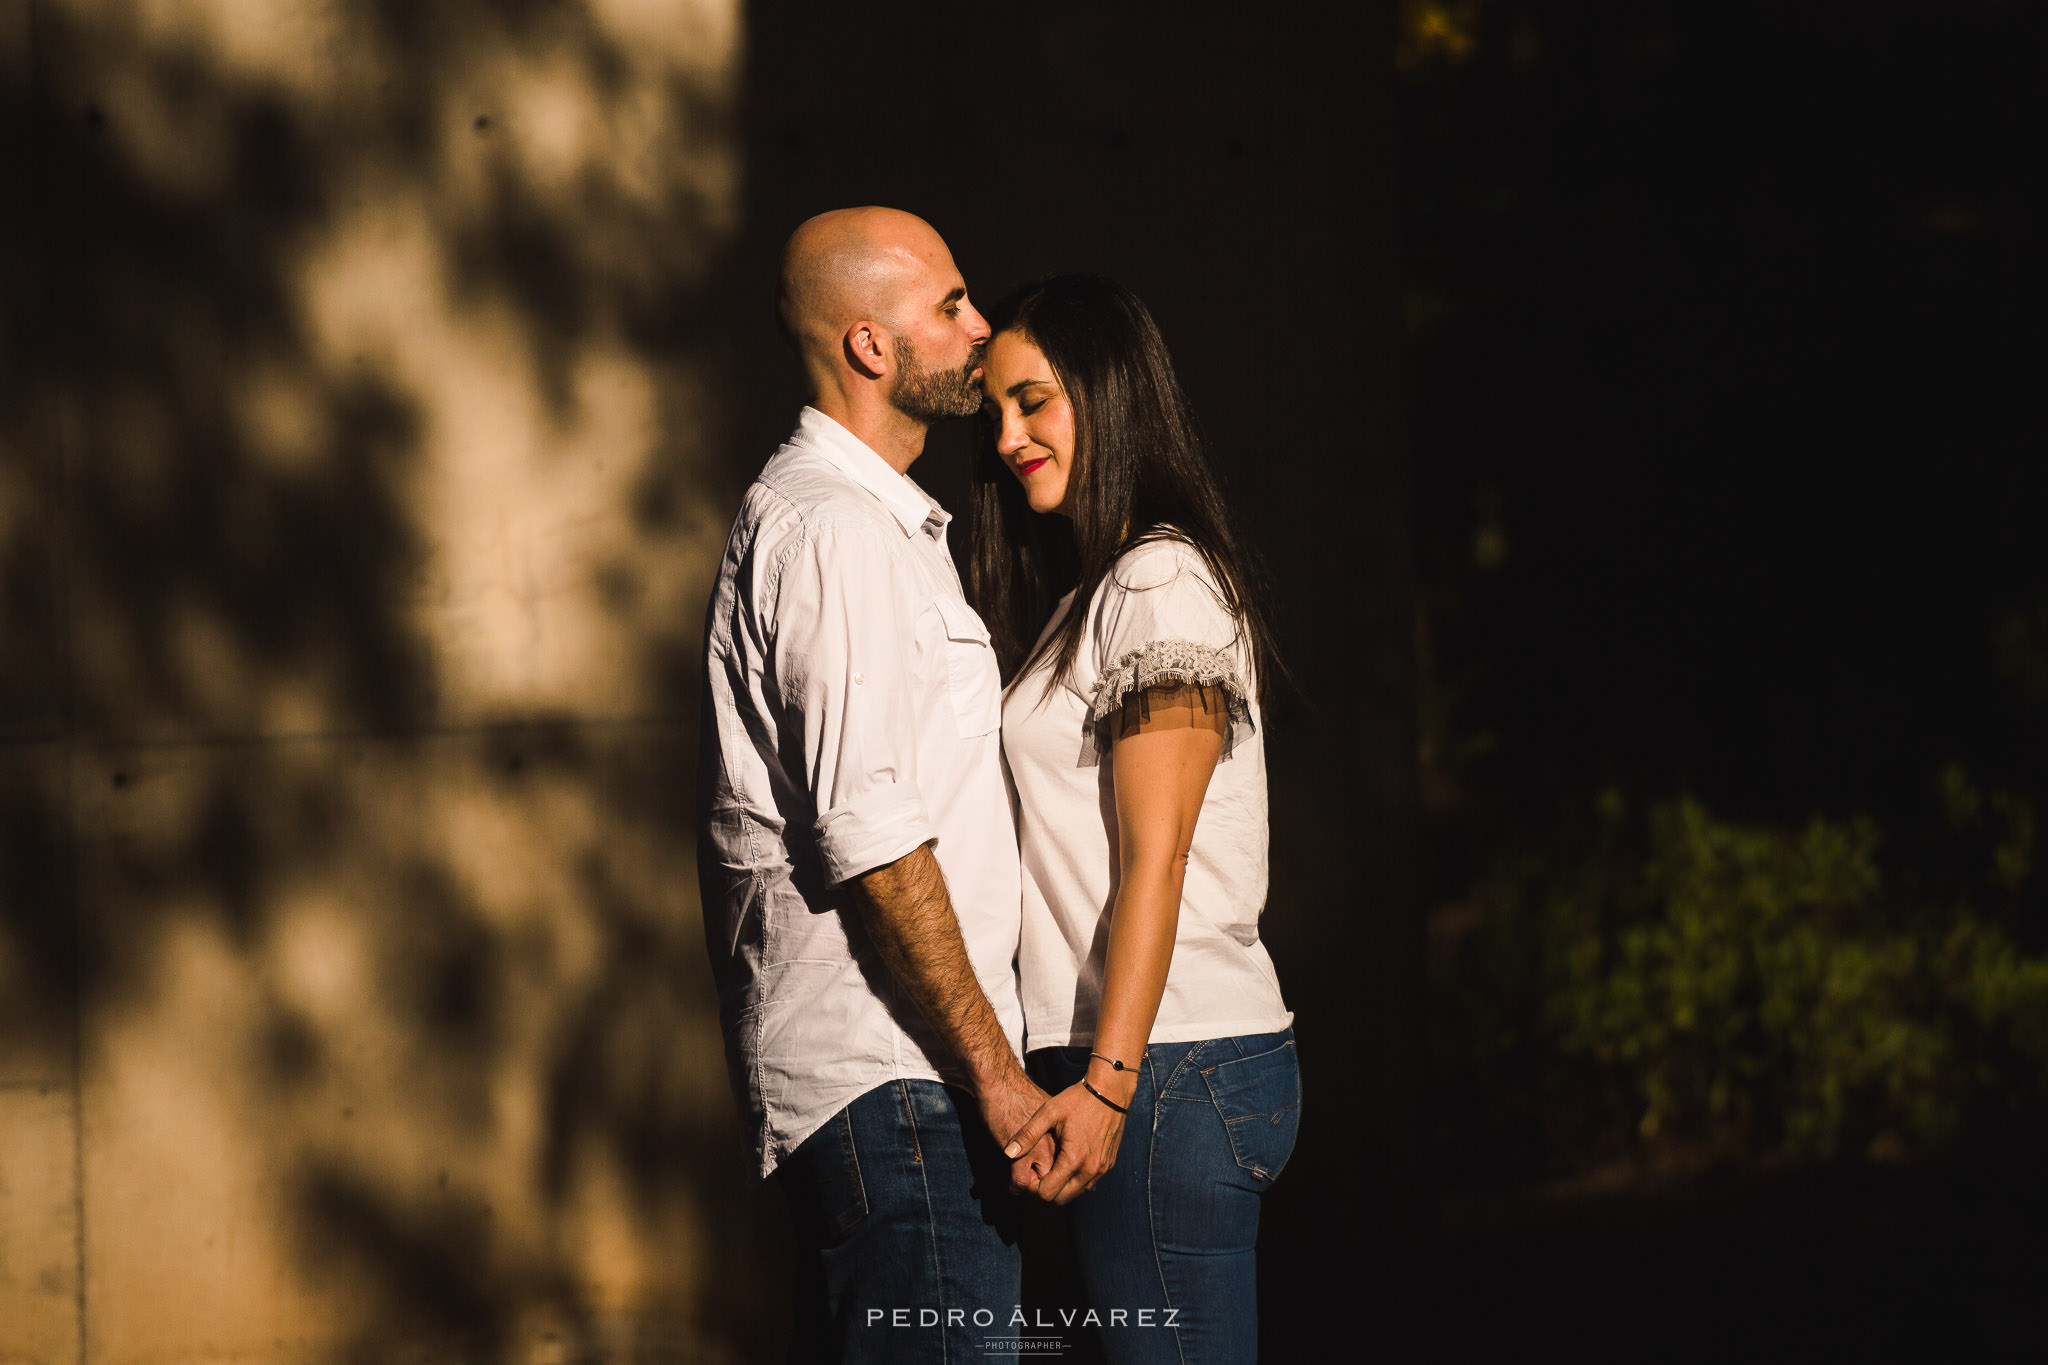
point(355, 512)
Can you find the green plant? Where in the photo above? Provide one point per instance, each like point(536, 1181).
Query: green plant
point(1759, 989)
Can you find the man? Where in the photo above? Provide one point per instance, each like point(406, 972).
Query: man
point(857, 859)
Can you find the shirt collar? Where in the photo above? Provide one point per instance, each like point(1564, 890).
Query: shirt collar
point(913, 508)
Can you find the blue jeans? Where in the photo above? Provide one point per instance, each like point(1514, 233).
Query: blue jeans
point(1168, 1235)
point(905, 1231)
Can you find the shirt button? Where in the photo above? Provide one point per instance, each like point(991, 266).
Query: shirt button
point(859, 678)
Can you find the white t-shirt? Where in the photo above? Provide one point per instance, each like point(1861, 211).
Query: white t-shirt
point(851, 716)
point(1157, 619)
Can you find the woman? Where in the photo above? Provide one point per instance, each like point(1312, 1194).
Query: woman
point(1130, 729)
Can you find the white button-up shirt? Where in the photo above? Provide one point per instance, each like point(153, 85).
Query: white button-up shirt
point(852, 713)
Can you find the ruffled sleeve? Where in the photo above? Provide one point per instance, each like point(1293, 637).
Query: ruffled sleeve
point(1169, 652)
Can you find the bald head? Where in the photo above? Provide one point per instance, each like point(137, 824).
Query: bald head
point(879, 314)
point(849, 265)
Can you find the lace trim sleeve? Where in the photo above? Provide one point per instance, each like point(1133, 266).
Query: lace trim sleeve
point(1161, 667)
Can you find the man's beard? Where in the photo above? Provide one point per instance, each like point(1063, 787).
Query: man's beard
point(934, 395)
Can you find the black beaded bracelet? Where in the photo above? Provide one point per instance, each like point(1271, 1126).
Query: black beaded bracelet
point(1115, 1065)
point(1104, 1098)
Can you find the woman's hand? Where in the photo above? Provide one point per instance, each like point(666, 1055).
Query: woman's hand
point(1087, 1132)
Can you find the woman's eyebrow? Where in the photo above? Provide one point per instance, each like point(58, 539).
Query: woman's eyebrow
point(1022, 385)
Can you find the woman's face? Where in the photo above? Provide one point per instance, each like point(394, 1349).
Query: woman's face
point(1034, 420)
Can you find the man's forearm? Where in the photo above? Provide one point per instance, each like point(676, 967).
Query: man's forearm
point(910, 920)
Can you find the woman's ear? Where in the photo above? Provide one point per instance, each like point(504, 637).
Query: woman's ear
point(866, 350)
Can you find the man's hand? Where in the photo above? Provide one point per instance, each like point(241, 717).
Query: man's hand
point(1008, 1103)
point(909, 918)
point(1088, 1133)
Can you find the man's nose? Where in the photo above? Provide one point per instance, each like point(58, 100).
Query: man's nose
point(977, 325)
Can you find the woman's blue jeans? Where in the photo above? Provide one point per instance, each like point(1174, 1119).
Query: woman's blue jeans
point(1168, 1236)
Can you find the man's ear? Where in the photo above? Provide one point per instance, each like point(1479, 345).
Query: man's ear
point(867, 349)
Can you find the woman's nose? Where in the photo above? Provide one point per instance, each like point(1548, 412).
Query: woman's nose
point(1012, 437)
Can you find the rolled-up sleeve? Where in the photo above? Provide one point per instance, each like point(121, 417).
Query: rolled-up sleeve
point(844, 661)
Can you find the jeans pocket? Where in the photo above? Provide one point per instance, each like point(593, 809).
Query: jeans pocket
point(1259, 1099)
point(823, 1178)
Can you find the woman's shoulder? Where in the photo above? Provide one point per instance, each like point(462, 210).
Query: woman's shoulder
point(1163, 587)
point(1162, 558)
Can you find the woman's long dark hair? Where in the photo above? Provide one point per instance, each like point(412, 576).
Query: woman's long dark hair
point(1139, 473)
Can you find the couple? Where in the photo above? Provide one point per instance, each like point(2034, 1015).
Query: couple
point(892, 924)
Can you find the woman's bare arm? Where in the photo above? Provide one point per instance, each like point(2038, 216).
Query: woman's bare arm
point(1160, 769)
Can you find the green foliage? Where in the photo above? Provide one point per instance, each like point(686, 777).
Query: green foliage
point(1762, 990)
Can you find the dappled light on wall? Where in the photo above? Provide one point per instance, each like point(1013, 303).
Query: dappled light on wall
point(366, 509)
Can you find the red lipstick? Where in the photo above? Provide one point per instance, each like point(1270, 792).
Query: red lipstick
point(1027, 466)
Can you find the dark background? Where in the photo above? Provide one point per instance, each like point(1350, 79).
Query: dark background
point(1726, 316)
point(1722, 324)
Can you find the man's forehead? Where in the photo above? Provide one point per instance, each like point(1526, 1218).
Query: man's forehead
point(928, 254)
point(931, 273)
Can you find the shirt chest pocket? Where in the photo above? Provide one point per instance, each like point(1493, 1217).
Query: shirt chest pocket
point(969, 670)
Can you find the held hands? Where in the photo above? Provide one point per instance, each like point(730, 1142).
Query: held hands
point(1005, 1107)
point(1088, 1132)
